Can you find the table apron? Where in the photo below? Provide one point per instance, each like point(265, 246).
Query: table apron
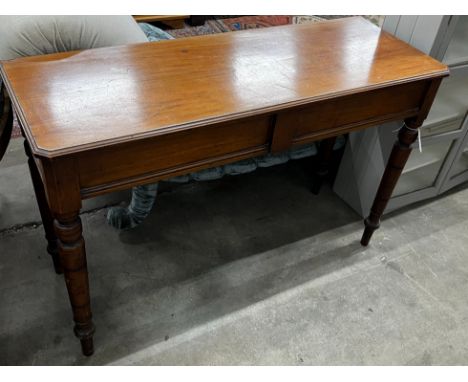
point(161, 157)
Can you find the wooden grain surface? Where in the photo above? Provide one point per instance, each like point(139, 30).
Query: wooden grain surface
point(77, 101)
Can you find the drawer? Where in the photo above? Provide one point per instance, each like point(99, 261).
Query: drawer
point(350, 113)
point(177, 152)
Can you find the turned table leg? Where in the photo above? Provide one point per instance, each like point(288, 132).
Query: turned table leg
point(46, 215)
point(398, 157)
point(322, 165)
point(61, 183)
point(73, 258)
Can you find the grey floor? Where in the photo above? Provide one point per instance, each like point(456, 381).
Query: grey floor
point(247, 270)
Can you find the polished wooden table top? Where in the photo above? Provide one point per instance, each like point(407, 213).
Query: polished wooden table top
point(76, 101)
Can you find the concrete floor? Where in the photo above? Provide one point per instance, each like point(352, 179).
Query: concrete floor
point(247, 270)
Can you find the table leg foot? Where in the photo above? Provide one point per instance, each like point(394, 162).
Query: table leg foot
point(400, 153)
point(368, 231)
point(73, 259)
point(85, 336)
point(321, 170)
point(87, 347)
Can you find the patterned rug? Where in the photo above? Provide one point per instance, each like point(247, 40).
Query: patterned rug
point(241, 23)
point(251, 22)
point(222, 25)
point(210, 27)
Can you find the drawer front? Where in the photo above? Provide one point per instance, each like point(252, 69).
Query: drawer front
point(349, 113)
point(177, 153)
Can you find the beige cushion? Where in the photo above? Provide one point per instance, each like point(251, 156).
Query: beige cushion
point(35, 35)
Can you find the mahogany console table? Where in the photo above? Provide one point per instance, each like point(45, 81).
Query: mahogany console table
point(106, 119)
